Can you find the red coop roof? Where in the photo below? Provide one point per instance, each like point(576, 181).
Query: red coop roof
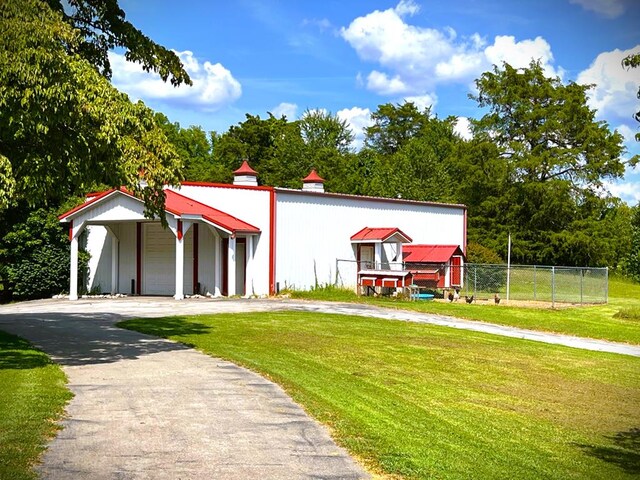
point(368, 234)
point(430, 253)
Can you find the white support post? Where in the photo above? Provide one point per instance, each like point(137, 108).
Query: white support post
point(73, 282)
point(378, 256)
point(399, 258)
point(231, 267)
point(115, 247)
point(179, 267)
point(249, 270)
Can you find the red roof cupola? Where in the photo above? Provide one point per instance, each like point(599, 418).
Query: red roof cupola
point(245, 175)
point(313, 182)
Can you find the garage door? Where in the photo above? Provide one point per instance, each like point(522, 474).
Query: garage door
point(159, 260)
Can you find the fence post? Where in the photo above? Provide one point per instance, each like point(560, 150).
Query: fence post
point(606, 285)
point(534, 284)
point(553, 287)
point(581, 284)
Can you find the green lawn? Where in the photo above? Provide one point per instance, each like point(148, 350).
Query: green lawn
point(421, 401)
point(598, 321)
point(32, 398)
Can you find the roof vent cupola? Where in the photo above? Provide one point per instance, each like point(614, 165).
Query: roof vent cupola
point(245, 175)
point(313, 182)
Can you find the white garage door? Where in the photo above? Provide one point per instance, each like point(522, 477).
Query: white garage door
point(159, 260)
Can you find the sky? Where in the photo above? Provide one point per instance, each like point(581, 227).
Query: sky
point(348, 57)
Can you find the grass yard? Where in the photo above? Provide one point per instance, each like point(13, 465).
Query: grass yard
point(600, 321)
point(421, 401)
point(32, 398)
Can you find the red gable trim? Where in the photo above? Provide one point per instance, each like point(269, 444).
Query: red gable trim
point(179, 205)
point(430, 253)
point(94, 198)
point(226, 185)
point(379, 234)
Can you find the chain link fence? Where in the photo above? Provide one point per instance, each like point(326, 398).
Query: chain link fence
point(537, 283)
point(525, 282)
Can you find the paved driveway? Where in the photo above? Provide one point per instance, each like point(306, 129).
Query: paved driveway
point(146, 408)
point(149, 408)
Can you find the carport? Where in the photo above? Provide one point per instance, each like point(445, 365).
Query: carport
point(202, 250)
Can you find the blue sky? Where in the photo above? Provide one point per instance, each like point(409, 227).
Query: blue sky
point(347, 57)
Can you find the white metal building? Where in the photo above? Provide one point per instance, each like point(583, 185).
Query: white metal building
point(244, 239)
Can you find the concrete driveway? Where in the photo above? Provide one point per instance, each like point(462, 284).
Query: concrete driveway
point(150, 408)
point(147, 408)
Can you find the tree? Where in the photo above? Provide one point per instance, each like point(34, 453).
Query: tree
point(540, 159)
point(63, 127)
point(633, 61)
point(393, 126)
point(103, 27)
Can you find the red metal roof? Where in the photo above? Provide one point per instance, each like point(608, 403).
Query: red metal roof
point(313, 177)
point(429, 253)
point(378, 234)
point(245, 169)
point(180, 205)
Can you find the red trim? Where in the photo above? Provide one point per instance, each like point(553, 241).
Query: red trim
point(225, 266)
point(179, 230)
point(95, 198)
point(138, 257)
point(195, 257)
point(226, 185)
point(71, 230)
point(272, 242)
point(365, 198)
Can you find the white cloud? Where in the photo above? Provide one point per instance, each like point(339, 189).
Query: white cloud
point(614, 94)
point(505, 48)
point(358, 119)
point(213, 85)
point(627, 191)
point(289, 110)
point(381, 83)
point(607, 8)
point(407, 7)
point(423, 101)
point(463, 128)
point(412, 59)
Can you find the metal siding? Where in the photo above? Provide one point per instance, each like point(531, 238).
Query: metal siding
point(313, 231)
point(251, 206)
point(159, 260)
point(127, 256)
point(99, 247)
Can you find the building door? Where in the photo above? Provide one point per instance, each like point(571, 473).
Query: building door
point(367, 257)
point(456, 271)
point(159, 263)
point(241, 264)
